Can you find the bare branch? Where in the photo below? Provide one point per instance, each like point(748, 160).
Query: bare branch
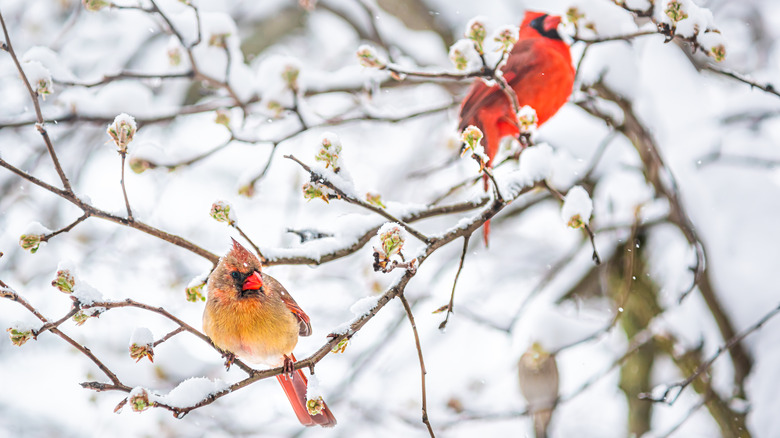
point(39, 115)
point(352, 200)
point(423, 372)
point(89, 210)
point(626, 37)
point(107, 79)
point(257, 250)
point(673, 391)
point(451, 306)
point(81, 219)
point(767, 87)
point(124, 190)
point(52, 327)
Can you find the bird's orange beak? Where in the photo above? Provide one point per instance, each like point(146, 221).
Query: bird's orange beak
point(253, 282)
point(551, 22)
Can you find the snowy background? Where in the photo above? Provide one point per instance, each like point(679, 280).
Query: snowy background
point(717, 136)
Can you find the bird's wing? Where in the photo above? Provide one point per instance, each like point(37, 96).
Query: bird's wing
point(521, 61)
point(304, 326)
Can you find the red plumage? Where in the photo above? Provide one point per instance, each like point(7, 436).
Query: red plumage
point(539, 70)
point(295, 387)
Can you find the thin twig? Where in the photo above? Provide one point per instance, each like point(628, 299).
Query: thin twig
point(38, 114)
point(52, 327)
point(162, 312)
point(549, 276)
point(72, 225)
point(625, 37)
point(397, 69)
point(628, 269)
point(423, 372)
point(106, 79)
point(123, 154)
point(74, 117)
point(451, 305)
point(352, 200)
point(169, 336)
point(92, 211)
point(254, 375)
point(673, 391)
point(255, 247)
point(737, 160)
point(306, 259)
point(296, 109)
point(695, 408)
point(595, 256)
point(768, 88)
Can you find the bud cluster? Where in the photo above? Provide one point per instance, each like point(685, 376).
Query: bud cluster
point(375, 200)
point(574, 15)
point(140, 165)
point(687, 20)
point(222, 117)
point(142, 344)
point(139, 400)
point(138, 352)
point(367, 57)
point(65, 281)
point(391, 242)
point(462, 53)
point(31, 242)
point(527, 120)
point(577, 208)
point(218, 40)
point(221, 211)
point(122, 131)
point(472, 138)
point(94, 5)
point(174, 51)
point(33, 236)
point(19, 336)
point(315, 190)
point(330, 152)
point(84, 314)
point(674, 10)
point(308, 5)
point(506, 37)
point(195, 292)
point(290, 76)
point(341, 346)
point(475, 31)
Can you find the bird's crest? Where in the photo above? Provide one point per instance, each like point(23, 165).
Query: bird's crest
point(529, 17)
point(241, 256)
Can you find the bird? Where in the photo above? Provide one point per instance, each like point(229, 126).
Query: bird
point(249, 314)
point(538, 377)
point(539, 69)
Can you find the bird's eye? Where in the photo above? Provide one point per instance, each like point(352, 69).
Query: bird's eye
point(235, 275)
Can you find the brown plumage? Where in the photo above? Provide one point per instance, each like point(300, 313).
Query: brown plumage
point(250, 314)
point(538, 375)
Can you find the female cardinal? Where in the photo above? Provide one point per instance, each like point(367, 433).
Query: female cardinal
point(538, 69)
point(251, 315)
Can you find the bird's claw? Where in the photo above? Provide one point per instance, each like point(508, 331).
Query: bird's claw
point(229, 358)
point(288, 367)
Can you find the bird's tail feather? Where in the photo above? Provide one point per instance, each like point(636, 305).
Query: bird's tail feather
point(295, 389)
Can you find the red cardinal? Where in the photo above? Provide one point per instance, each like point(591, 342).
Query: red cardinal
point(251, 315)
point(538, 69)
